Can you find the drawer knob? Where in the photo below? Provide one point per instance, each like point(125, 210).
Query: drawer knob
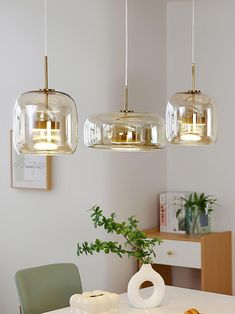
point(169, 252)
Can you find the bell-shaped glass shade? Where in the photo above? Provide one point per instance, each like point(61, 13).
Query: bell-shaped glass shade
point(191, 119)
point(122, 131)
point(45, 123)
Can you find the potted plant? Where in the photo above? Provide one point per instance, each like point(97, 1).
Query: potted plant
point(137, 245)
point(197, 205)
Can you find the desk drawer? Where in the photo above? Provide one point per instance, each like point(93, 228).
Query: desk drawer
point(179, 253)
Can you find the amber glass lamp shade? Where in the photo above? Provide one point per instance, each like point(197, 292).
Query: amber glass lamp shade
point(125, 131)
point(45, 123)
point(191, 119)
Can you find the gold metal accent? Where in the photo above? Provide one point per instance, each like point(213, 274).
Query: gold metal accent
point(190, 91)
point(47, 90)
point(126, 98)
point(193, 76)
point(46, 79)
point(46, 72)
point(125, 110)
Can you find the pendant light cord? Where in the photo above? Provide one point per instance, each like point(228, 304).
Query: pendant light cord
point(193, 31)
point(126, 44)
point(193, 45)
point(126, 59)
point(45, 27)
point(45, 46)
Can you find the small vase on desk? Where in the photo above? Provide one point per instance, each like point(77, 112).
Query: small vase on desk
point(146, 273)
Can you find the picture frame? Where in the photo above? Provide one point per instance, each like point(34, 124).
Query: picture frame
point(29, 171)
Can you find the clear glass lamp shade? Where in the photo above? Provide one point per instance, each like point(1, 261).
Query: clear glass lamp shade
point(191, 119)
point(125, 131)
point(45, 123)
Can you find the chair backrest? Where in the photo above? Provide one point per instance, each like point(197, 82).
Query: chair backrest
point(46, 288)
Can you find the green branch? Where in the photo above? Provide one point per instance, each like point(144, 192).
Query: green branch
point(136, 245)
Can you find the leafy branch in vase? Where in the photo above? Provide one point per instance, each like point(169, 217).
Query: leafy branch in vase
point(136, 243)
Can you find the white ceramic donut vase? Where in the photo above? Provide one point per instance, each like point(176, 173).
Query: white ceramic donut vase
point(146, 273)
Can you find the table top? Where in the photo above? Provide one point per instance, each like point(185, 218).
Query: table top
point(176, 301)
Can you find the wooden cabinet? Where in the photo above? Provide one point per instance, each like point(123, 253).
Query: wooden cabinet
point(208, 254)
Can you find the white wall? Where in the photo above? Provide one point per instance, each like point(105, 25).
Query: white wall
point(209, 169)
point(86, 58)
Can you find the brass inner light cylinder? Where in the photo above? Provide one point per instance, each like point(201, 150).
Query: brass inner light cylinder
point(43, 125)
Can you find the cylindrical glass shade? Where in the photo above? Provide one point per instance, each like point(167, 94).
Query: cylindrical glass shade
point(45, 123)
point(125, 131)
point(191, 119)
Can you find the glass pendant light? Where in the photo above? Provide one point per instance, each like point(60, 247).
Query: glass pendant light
point(45, 120)
point(191, 115)
point(125, 130)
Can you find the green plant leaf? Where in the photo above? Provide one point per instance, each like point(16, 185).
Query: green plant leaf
point(178, 212)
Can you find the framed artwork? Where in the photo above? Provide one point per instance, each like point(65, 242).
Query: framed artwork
point(30, 171)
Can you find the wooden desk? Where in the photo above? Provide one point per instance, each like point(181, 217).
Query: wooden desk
point(176, 301)
point(209, 254)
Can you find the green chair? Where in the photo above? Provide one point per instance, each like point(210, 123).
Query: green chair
point(47, 288)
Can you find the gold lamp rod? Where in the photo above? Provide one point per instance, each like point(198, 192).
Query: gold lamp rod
point(46, 72)
point(193, 76)
point(126, 99)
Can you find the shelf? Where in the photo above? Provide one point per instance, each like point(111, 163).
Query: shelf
point(205, 260)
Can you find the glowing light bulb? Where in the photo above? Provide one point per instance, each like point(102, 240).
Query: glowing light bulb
point(46, 135)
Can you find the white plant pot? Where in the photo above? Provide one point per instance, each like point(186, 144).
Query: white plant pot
point(146, 273)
